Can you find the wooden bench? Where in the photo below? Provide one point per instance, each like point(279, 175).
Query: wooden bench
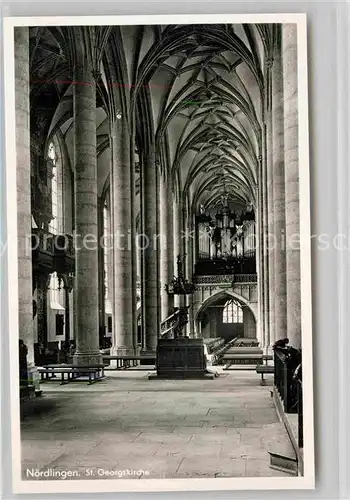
point(124, 362)
point(72, 372)
point(262, 370)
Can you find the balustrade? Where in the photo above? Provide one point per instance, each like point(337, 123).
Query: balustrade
point(222, 279)
point(230, 265)
point(52, 252)
point(172, 326)
point(287, 359)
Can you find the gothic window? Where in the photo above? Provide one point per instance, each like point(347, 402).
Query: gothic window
point(233, 312)
point(105, 252)
point(56, 291)
point(56, 223)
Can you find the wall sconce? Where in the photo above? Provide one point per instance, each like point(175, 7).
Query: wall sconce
point(118, 114)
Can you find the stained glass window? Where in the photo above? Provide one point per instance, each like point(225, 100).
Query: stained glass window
point(233, 312)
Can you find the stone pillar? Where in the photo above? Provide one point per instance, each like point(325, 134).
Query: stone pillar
point(249, 323)
point(110, 261)
point(291, 156)
point(42, 283)
point(101, 272)
point(164, 263)
point(150, 276)
point(270, 227)
point(271, 233)
point(179, 300)
point(213, 323)
point(133, 230)
point(259, 266)
point(86, 252)
point(24, 218)
point(170, 238)
point(123, 239)
point(265, 264)
point(280, 284)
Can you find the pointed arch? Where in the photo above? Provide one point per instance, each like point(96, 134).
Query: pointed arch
point(221, 294)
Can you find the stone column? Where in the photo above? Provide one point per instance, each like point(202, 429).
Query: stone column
point(270, 227)
point(291, 156)
point(249, 324)
point(134, 210)
point(42, 283)
point(150, 276)
point(24, 217)
point(123, 239)
point(86, 253)
point(179, 300)
point(280, 284)
point(110, 260)
point(259, 266)
point(189, 231)
point(101, 271)
point(164, 273)
point(265, 264)
point(170, 238)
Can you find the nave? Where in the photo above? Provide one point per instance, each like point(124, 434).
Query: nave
point(173, 429)
point(158, 184)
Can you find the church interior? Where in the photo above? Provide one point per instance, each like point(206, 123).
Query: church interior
point(158, 208)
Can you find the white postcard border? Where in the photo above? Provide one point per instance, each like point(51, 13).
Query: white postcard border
point(307, 481)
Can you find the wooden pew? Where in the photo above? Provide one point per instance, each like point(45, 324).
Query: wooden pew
point(262, 370)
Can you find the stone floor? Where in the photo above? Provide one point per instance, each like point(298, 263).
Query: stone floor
point(128, 424)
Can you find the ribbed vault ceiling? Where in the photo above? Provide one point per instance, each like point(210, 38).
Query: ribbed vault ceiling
point(204, 85)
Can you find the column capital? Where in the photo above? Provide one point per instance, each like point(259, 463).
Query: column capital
point(269, 62)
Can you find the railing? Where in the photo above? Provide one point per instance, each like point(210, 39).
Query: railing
point(246, 278)
point(169, 324)
point(173, 325)
point(52, 252)
point(224, 279)
point(222, 350)
point(43, 241)
point(213, 279)
point(230, 265)
point(214, 345)
point(287, 360)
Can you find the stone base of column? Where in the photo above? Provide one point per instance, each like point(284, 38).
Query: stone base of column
point(137, 350)
point(34, 379)
point(122, 351)
point(119, 351)
point(87, 358)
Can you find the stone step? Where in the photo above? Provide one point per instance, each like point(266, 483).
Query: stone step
point(284, 463)
point(244, 350)
point(245, 342)
point(228, 355)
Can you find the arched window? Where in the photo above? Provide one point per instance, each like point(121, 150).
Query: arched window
point(233, 312)
point(105, 252)
point(56, 224)
point(107, 256)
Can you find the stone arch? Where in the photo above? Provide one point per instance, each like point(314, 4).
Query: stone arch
point(220, 295)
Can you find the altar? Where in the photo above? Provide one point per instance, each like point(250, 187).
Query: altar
point(182, 357)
